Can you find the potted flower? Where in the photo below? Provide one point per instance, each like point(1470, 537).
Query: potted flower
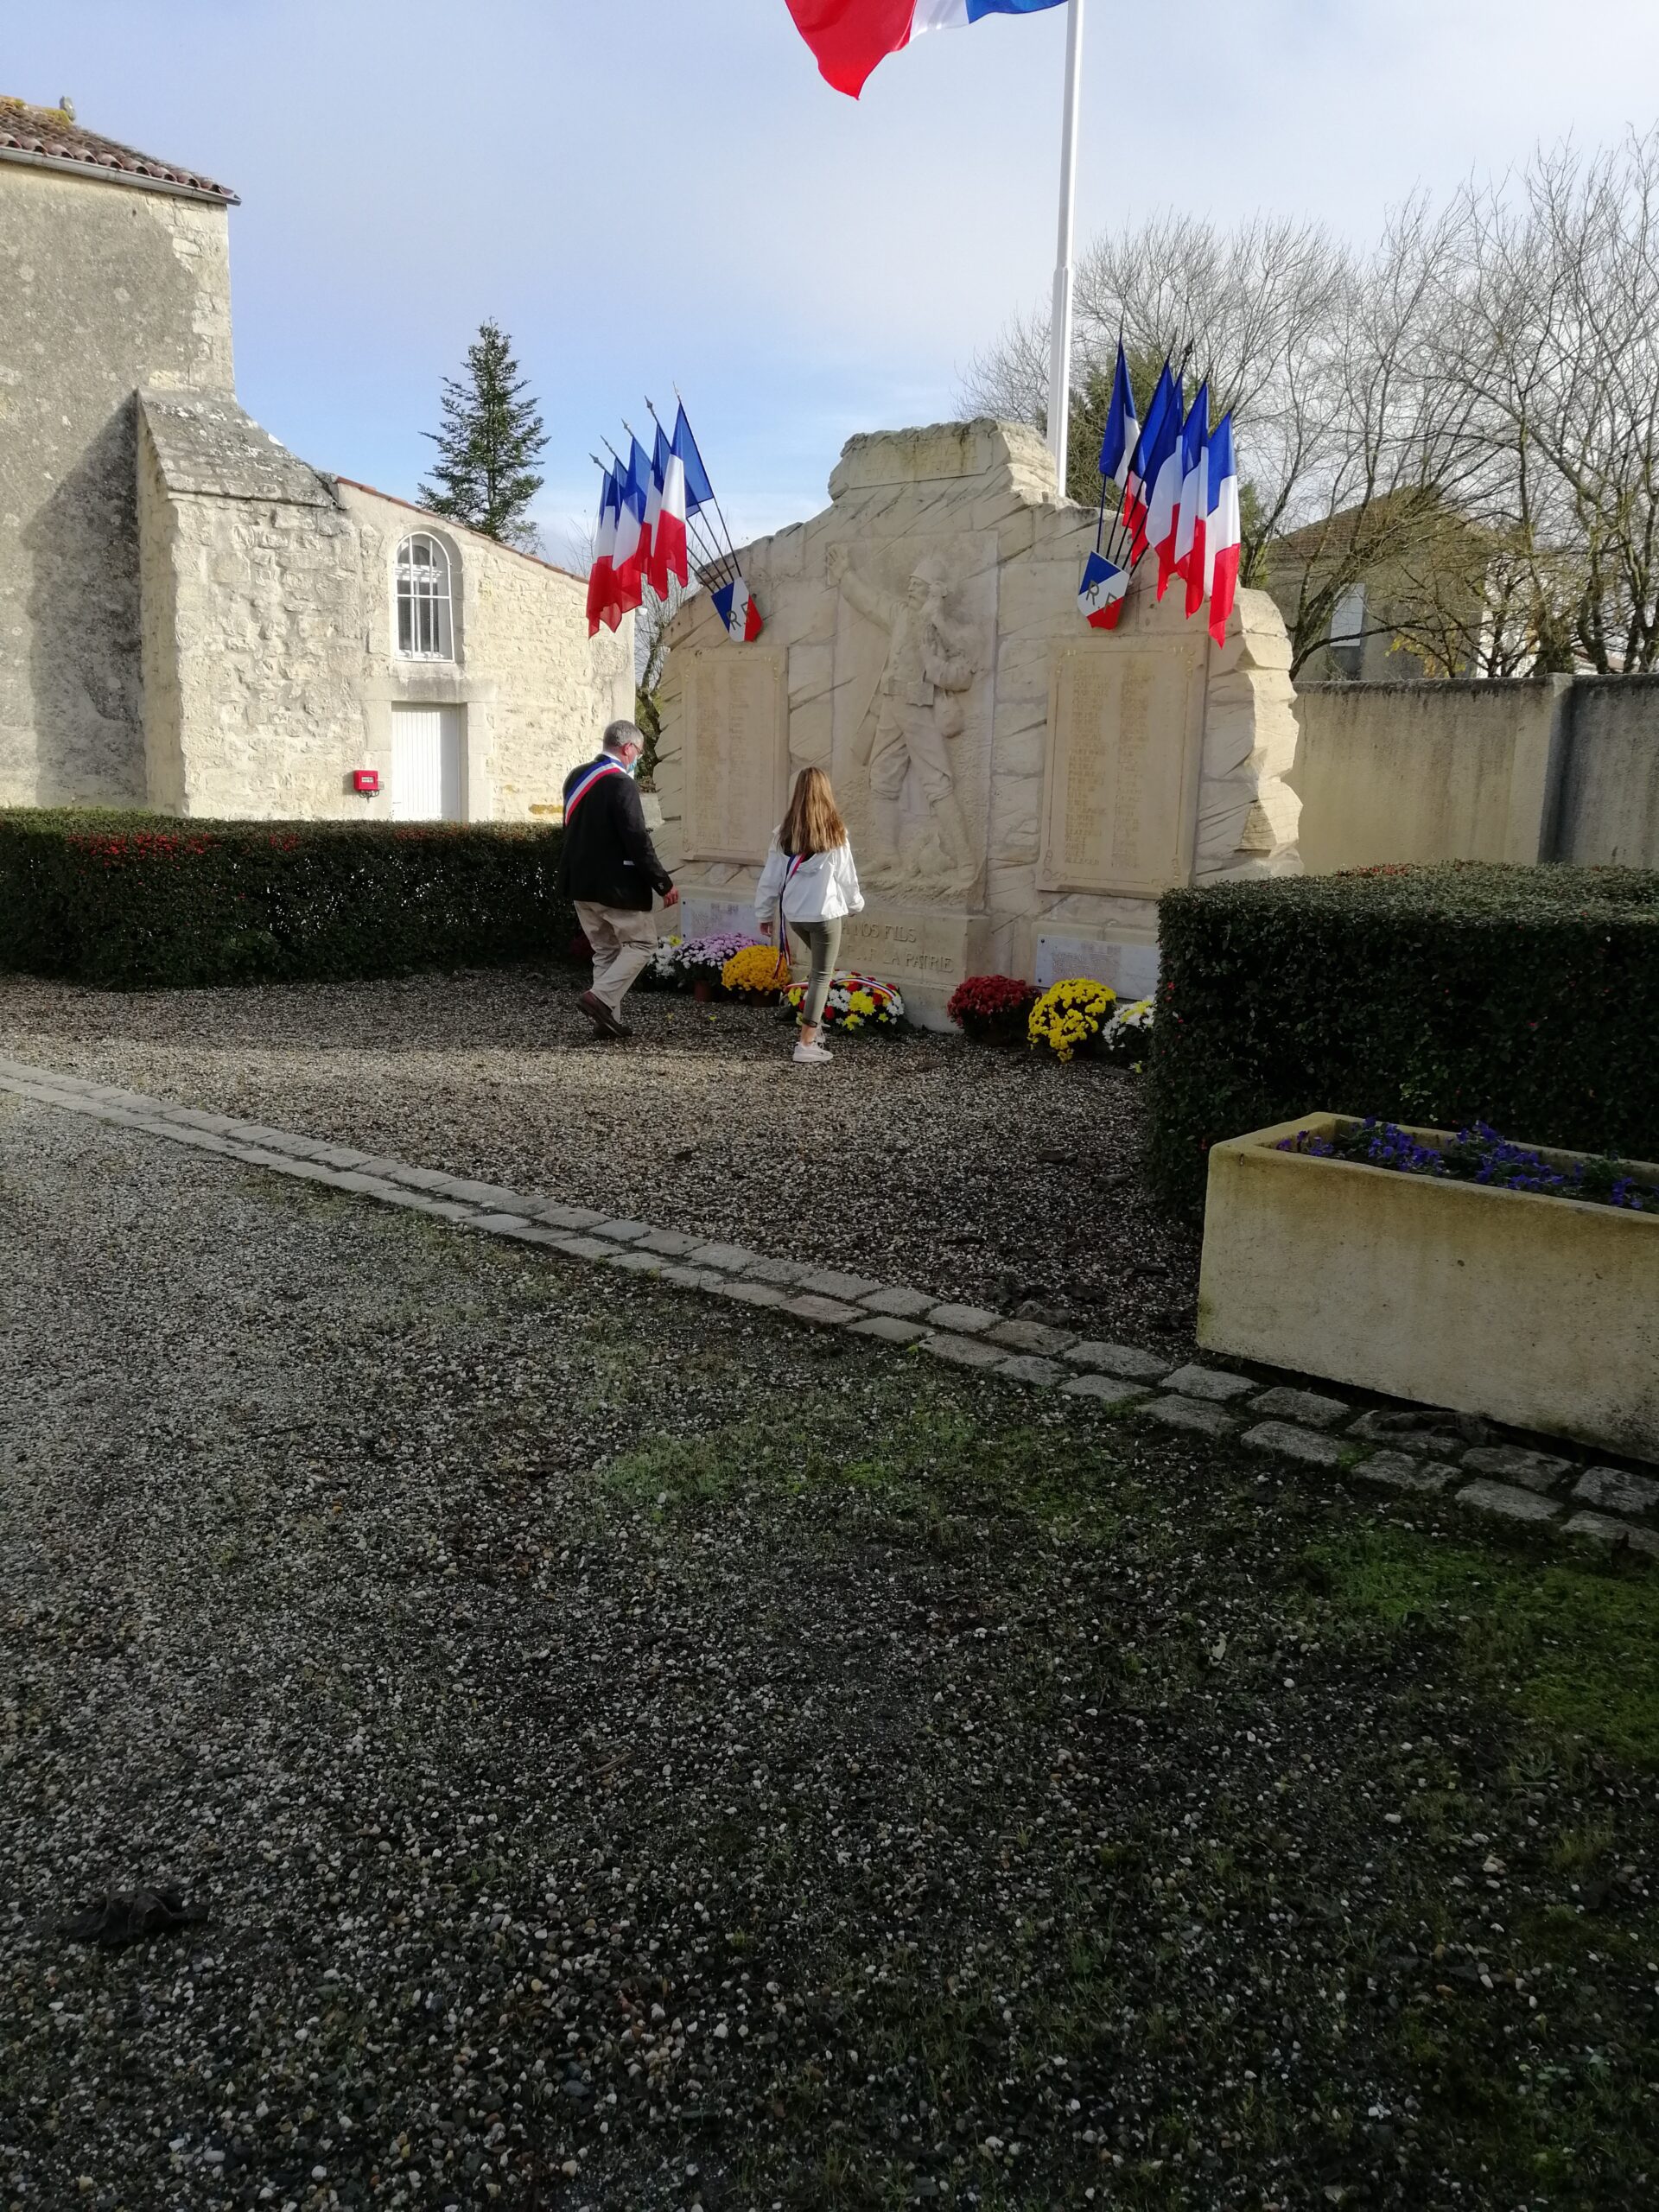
point(993, 1009)
point(1126, 1037)
point(1452, 1269)
point(758, 973)
point(703, 958)
point(1070, 1016)
point(663, 972)
point(857, 1002)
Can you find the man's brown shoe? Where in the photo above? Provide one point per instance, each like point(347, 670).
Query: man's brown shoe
point(602, 1017)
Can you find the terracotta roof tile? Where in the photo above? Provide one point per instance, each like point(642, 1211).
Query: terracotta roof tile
point(47, 133)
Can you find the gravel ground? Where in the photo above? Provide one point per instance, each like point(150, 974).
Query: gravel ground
point(982, 1174)
point(634, 1754)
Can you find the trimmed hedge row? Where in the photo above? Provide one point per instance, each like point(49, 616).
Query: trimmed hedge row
point(1526, 997)
point(131, 901)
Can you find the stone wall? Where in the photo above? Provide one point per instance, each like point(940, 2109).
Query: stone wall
point(536, 690)
point(254, 658)
point(1019, 788)
point(269, 635)
point(1610, 787)
point(104, 287)
point(1561, 768)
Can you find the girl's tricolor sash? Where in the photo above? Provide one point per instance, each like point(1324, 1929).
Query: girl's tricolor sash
point(795, 861)
point(590, 777)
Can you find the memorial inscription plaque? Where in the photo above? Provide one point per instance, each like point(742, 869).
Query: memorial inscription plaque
point(925, 951)
point(736, 752)
point(1125, 727)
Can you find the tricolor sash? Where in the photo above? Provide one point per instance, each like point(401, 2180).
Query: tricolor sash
point(589, 778)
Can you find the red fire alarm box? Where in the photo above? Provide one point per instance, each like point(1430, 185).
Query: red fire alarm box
point(366, 781)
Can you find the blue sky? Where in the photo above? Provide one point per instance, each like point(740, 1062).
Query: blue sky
point(642, 191)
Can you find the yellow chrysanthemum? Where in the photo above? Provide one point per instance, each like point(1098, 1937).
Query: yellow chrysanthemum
point(1071, 1013)
point(753, 967)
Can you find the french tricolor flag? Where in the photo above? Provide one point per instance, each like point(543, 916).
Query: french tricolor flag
point(849, 37)
point(667, 515)
point(599, 576)
point(1101, 593)
point(738, 612)
point(1189, 506)
point(628, 561)
point(1223, 530)
point(1160, 436)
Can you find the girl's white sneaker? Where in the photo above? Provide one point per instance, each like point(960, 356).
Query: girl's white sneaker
point(811, 1056)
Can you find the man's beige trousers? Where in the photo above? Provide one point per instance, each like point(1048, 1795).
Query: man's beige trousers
point(623, 941)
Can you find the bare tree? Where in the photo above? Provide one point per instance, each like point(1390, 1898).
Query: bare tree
point(1552, 330)
point(1471, 407)
point(649, 658)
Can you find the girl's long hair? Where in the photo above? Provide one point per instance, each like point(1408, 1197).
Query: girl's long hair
point(813, 823)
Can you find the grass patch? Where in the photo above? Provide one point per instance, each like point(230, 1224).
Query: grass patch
point(1568, 1647)
point(926, 1459)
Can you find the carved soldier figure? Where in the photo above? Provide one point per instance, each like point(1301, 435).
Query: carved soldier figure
point(916, 709)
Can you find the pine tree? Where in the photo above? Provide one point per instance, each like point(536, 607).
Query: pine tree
point(491, 435)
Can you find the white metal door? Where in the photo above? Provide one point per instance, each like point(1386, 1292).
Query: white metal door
point(426, 764)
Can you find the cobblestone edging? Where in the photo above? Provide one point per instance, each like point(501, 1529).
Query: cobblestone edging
point(1420, 1451)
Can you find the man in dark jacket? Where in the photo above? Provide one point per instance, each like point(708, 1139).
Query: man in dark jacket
point(609, 869)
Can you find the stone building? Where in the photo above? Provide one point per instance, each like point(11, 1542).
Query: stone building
point(193, 619)
point(1020, 788)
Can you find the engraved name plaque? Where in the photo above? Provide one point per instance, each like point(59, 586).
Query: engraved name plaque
point(736, 752)
point(1125, 725)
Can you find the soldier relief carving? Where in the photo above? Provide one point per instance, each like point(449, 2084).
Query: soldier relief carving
point(905, 739)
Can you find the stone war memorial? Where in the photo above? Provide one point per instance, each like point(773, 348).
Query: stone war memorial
point(1020, 788)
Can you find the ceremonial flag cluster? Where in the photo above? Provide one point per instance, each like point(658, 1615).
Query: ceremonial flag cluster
point(657, 513)
point(849, 37)
point(1179, 498)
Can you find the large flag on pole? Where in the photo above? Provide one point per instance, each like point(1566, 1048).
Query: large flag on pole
point(1223, 530)
point(849, 37)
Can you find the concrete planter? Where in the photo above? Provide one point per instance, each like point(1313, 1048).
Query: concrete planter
point(1539, 1312)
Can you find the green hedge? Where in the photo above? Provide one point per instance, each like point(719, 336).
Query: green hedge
point(1527, 997)
point(131, 901)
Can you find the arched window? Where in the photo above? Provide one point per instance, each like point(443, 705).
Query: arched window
point(425, 630)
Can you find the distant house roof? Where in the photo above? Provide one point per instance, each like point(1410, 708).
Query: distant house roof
point(1334, 536)
point(50, 137)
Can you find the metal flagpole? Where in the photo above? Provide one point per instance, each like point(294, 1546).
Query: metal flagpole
point(1059, 354)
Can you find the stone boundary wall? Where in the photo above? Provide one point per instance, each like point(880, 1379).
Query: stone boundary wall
point(1560, 768)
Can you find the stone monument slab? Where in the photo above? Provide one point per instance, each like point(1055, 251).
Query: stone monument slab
point(925, 950)
point(1120, 794)
point(1128, 966)
point(702, 915)
point(1019, 790)
point(736, 742)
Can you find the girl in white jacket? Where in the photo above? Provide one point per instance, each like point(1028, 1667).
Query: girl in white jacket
point(809, 883)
